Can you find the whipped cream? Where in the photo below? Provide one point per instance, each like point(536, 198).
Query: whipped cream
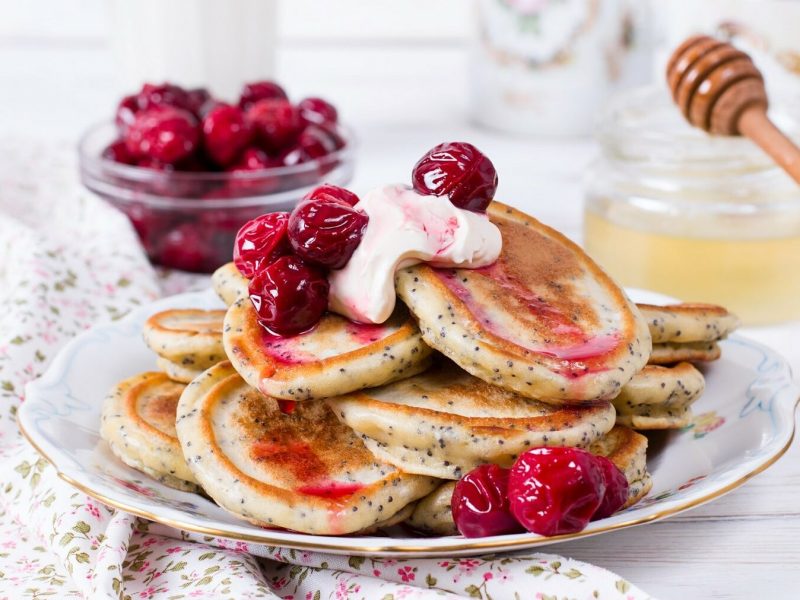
point(406, 228)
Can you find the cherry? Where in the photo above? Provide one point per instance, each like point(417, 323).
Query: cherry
point(260, 242)
point(336, 139)
point(459, 171)
point(260, 90)
point(616, 489)
point(328, 191)
point(555, 490)
point(252, 159)
point(480, 503)
point(150, 224)
point(317, 110)
point(326, 232)
point(314, 142)
point(276, 123)
point(118, 152)
point(289, 296)
point(165, 134)
point(197, 99)
point(225, 134)
point(185, 248)
point(126, 113)
point(166, 94)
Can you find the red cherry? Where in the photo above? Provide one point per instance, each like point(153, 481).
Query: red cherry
point(313, 143)
point(197, 99)
point(118, 152)
point(336, 139)
point(276, 123)
point(459, 171)
point(166, 94)
point(480, 503)
point(225, 134)
point(317, 110)
point(260, 90)
point(252, 159)
point(126, 113)
point(326, 232)
point(150, 225)
point(616, 489)
point(165, 134)
point(328, 191)
point(289, 296)
point(186, 248)
point(260, 242)
point(555, 490)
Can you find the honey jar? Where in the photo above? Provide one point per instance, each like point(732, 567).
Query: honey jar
point(672, 209)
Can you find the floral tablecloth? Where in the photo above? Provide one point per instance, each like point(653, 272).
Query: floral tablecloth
point(68, 261)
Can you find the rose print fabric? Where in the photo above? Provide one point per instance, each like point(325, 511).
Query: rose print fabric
point(68, 261)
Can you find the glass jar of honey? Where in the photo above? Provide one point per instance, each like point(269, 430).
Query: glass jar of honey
point(703, 218)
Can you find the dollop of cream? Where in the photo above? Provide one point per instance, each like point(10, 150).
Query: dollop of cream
point(406, 228)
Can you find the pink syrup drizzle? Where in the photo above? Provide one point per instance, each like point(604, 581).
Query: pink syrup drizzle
point(574, 354)
point(365, 333)
point(282, 348)
point(331, 489)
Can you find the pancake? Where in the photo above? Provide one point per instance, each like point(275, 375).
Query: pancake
point(625, 448)
point(229, 283)
point(668, 353)
point(544, 320)
point(659, 397)
point(302, 471)
point(446, 422)
point(336, 357)
point(176, 371)
point(138, 422)
point(190, 337)
point(688, 322)
point(433, 514)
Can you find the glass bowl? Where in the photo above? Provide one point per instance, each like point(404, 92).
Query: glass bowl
point(188, 220)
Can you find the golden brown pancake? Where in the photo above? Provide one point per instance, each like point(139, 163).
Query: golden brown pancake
point(138, 423)
point(336, 357)
point(303, 471)
point(229, 283)
point(669, 353)
point(544, 321)
point(688, 322)
point(189, 337)
point(176, 371)
point(660, 397)
point(445, 422)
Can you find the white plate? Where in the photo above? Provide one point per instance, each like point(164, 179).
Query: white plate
point(744, 422)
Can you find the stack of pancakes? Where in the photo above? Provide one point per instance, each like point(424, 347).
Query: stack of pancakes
point(352, 427)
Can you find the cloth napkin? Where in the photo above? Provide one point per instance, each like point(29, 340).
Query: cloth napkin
point(68, 261)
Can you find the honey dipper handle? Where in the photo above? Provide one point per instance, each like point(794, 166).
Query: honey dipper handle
point(755, 124)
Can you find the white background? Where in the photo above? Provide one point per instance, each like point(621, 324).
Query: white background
point(399, 70)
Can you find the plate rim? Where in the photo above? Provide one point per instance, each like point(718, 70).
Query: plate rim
point(460, 545)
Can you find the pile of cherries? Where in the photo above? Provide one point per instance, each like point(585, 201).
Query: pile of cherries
point(168, 128)
point(548, 490)
point(186, 137)
point(286, 256)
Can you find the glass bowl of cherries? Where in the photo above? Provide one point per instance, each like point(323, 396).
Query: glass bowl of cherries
point(189, 170)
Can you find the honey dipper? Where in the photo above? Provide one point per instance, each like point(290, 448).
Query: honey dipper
point(720, 90)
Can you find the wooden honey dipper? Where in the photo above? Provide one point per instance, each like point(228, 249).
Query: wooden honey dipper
point(720, 90)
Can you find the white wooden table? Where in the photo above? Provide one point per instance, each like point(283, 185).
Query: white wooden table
point(403, 100)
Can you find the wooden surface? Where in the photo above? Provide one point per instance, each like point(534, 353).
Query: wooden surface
point(402, 101)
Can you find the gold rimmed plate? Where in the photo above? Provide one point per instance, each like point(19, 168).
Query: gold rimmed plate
point(743, 423)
